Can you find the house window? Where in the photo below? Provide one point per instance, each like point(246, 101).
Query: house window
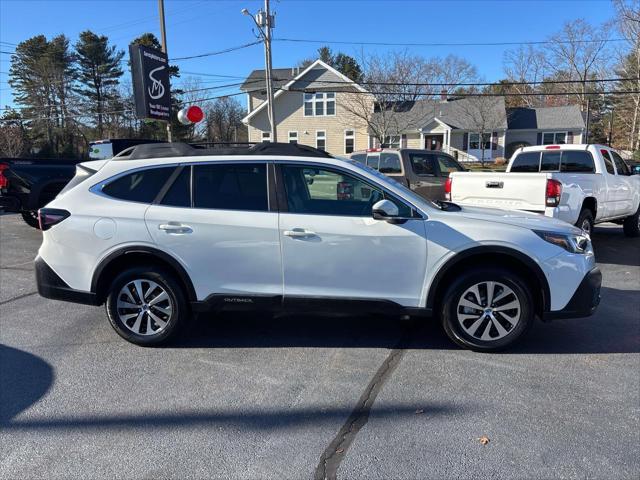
point(266, 136)
point(293, 137)
point(321, 139)
point(474, 141)
point(349, 141)
point(392, 141)
point(554, 138)
point(319, 104)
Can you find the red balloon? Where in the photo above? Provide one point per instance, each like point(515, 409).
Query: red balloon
point(195, 114)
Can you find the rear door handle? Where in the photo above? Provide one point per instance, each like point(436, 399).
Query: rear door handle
point(298, 233)
point(175, 227)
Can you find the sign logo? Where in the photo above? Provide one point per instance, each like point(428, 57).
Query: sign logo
point(156, 90)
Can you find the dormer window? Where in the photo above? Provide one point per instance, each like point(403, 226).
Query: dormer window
point(319, 104)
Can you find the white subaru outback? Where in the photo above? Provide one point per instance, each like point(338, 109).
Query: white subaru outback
point(164, 230)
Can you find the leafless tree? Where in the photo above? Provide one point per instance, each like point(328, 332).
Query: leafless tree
point(525, 64)
point(482, 115)
point(12, 140)
point(224, 121)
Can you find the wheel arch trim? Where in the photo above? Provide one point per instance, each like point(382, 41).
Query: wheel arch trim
point(484, 251)
point(152, 252)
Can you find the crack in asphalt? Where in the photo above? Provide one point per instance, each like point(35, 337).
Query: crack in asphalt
point(4, 302)
point(333, 455)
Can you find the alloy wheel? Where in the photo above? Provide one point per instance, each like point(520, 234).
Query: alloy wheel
point(488, 310)
point(586, 226)
point(144, 307)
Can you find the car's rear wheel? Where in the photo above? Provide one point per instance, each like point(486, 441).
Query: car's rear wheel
point(631, 225)
point(146, 306)
point(31, 218)
point(487, 310)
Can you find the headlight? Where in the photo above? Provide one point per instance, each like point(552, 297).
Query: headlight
point(574, 243)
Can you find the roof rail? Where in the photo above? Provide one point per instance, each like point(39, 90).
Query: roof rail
point(176, 149)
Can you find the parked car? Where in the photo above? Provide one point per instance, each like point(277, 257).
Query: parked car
point(27, 184)
point(580, 184)
point(169, 229)
point(424, 171)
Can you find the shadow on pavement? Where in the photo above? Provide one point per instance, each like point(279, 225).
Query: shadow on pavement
point(611, 246)
point(272, 419)
point(24, 379)
point(613, 329)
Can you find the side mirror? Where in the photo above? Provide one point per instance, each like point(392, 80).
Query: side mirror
point(385, 210)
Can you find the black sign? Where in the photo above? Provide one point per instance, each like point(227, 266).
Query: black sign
point(150, 69)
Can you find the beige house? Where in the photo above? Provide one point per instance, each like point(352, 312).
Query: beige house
point(320, 107)
point(309, 108)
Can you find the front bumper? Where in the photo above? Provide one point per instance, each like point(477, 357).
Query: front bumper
point(50, 285)
point(584, 301)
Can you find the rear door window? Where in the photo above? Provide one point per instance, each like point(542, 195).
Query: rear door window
point(608, 163)
point(423, 163)
point(577, 161)
point(179, 193)
point(526, 162)
point(390, 163)
point(236, 186)
point(139, 186)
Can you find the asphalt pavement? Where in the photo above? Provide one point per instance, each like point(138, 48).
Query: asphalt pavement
point(252, 396)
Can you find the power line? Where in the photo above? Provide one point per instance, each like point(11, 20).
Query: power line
point(445, 44)
point(219, 52)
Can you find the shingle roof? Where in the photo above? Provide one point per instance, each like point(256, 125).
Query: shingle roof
point(256, 79)
point(463, 114)
point(545, 118)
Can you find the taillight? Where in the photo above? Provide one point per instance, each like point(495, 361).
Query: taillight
point(48, 217)
point(345, 191)
point(4, 181)
point(554, 192)
point(447, 188)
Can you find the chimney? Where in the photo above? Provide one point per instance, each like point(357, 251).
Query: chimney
point(443, 95)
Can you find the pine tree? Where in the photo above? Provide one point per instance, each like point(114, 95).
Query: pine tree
point(99, 72)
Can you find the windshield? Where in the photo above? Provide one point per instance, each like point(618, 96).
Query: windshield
point(406, 191)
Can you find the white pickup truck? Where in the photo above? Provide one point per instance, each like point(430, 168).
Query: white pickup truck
point(580, 184)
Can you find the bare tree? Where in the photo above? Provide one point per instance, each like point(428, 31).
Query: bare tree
point(224, 121)
point(578, 53)
point(482, 115)
point(524, 64)
point(393, 86)
point(12, 140)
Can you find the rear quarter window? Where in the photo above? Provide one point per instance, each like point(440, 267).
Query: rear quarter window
point(139, 186)
point(390, 163)
point(526, 162)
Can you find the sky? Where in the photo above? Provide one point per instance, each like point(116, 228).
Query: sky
point(201, 26)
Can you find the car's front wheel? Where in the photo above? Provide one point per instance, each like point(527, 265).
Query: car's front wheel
point(487, 310)
point(146, 306)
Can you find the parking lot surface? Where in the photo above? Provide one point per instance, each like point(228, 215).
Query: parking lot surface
point(251, 396)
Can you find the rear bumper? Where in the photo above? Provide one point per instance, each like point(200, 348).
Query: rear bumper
point(584, 301)
point(50, 285)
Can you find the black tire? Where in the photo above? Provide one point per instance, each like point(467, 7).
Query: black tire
point(456, 329)
point(31, 218)
point(631, 225)
point(176, 303)
point(585, 220)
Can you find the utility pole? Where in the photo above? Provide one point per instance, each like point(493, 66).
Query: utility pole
point(265, 22)
point(163, 35)
point(267, 56)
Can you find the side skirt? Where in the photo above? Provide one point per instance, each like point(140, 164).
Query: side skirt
point(298, 304)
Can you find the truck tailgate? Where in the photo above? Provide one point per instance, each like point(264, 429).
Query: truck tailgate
point(518, 191)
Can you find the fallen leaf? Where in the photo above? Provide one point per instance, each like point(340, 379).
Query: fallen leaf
point(483, 439)
point(419, 411)
point(340, 450)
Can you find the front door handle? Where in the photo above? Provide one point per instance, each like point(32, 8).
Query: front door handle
point(175, 227)
point(298, 233)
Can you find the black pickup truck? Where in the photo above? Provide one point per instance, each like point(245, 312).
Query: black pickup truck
point(28, 184)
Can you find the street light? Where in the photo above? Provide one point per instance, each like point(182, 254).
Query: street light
point(264, 24)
